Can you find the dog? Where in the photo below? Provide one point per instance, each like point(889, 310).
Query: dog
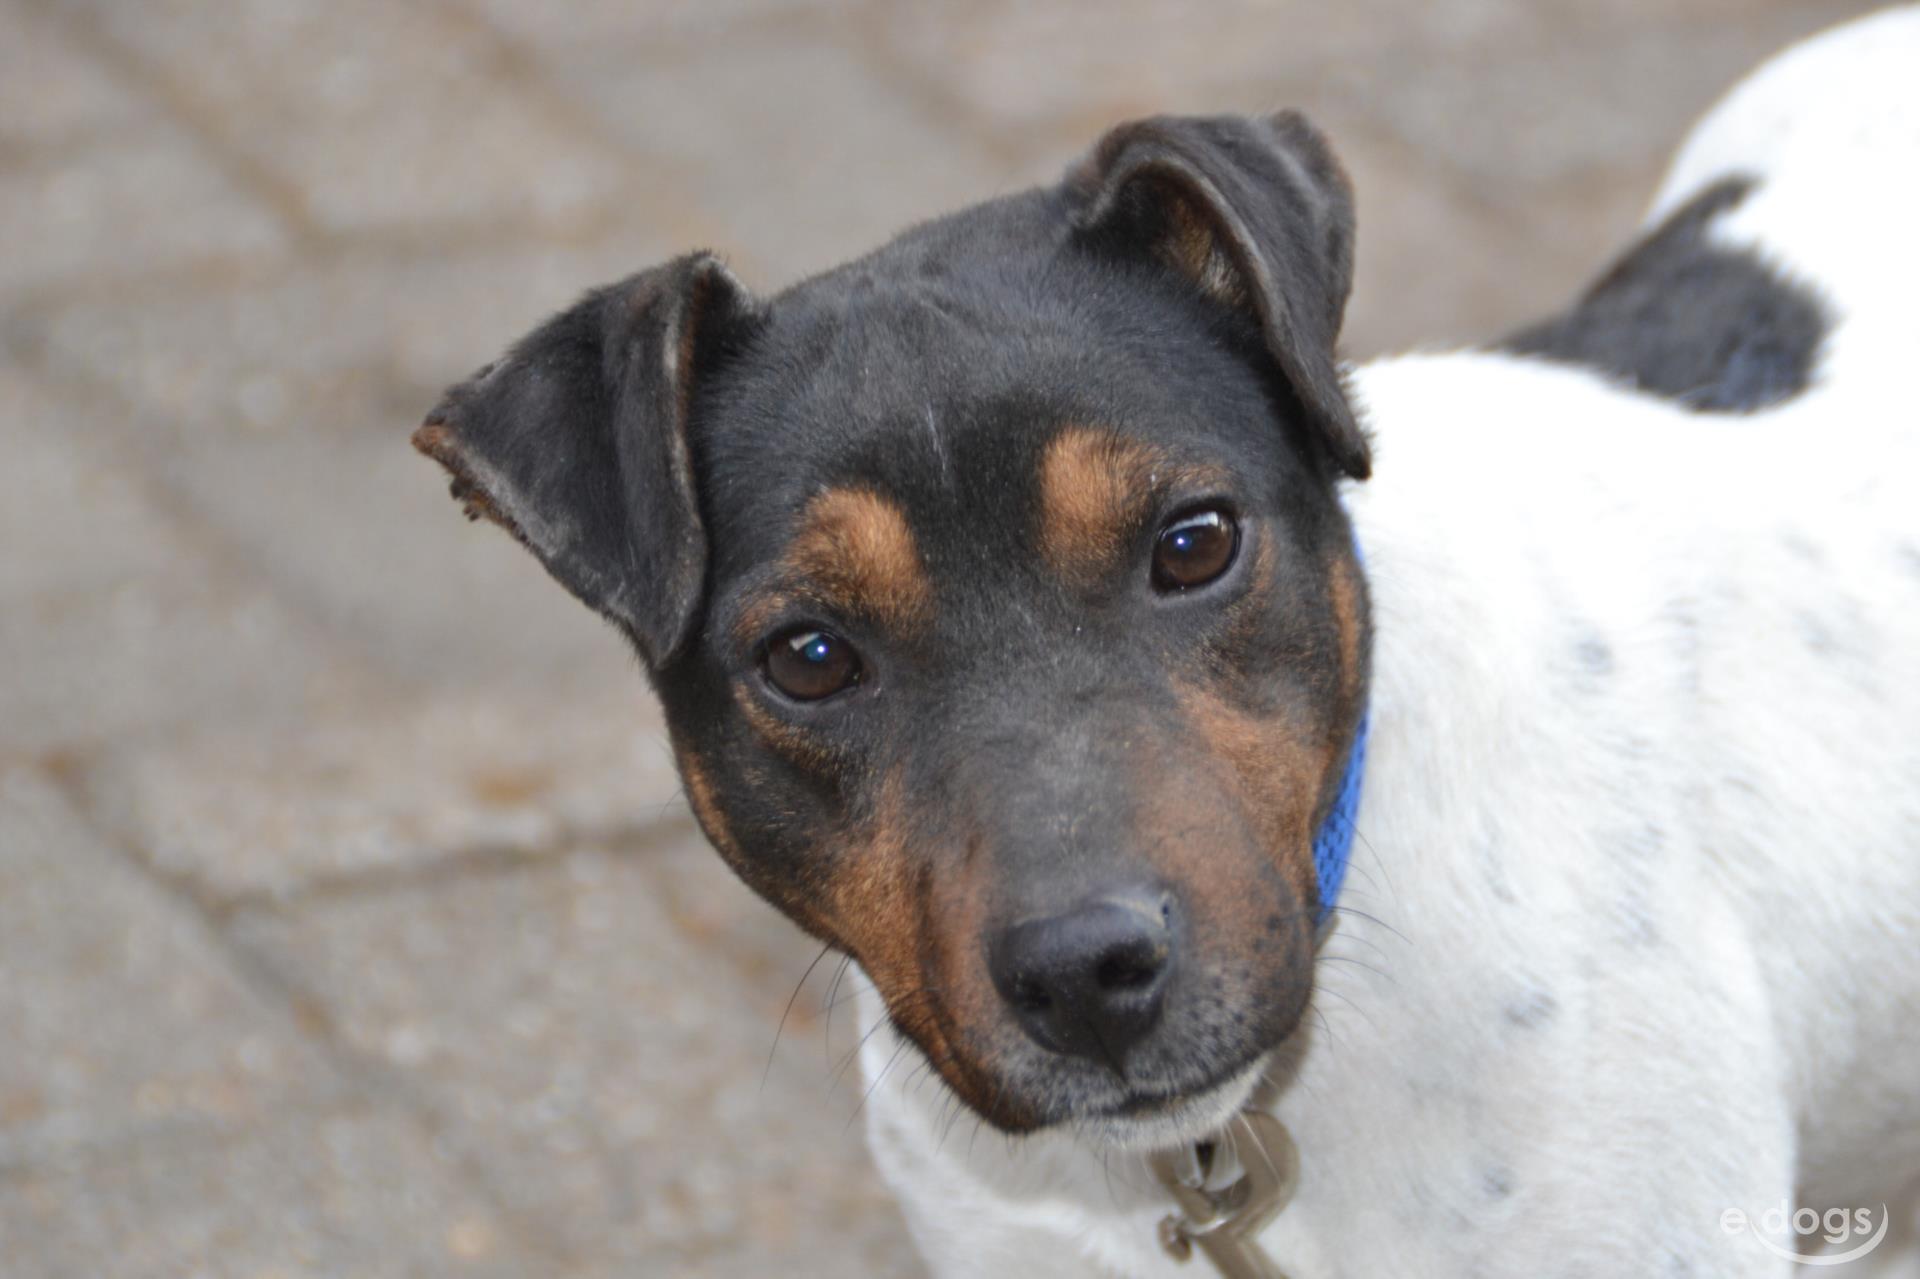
point(1047, 619)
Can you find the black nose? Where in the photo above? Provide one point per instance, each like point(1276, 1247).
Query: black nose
point(1089, 982)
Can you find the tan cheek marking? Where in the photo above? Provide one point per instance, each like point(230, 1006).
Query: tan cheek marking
point(1247, 616)
point(879, 909)
point(1094, 487)
point(706, 805)
point(795, 900)
point(1186, 823)
point(791, 742)
point(871, 901)
point(1276, 769)
point(855, 547)
point(870, 896)
point(872, 905)
point(1345, 589)
point(959, 962)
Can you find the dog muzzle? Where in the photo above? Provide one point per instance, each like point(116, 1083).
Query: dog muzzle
point(1223, 1222)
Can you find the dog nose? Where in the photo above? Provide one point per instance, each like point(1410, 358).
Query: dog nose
point(1089, 982)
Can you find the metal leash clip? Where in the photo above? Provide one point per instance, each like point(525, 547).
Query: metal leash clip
point(1224, 1223)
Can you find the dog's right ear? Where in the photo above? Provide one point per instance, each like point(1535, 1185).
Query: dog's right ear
point(576, 443)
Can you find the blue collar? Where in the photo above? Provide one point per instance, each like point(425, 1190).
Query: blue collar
point(1333, 843)
point(1333, 846)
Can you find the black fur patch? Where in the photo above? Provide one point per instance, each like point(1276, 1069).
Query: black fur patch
point(1716, 329)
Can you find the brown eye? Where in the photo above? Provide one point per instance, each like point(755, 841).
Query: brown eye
point(809, 665)
point(1194, 549)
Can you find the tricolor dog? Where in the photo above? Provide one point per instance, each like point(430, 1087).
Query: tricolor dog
point(1498, 769)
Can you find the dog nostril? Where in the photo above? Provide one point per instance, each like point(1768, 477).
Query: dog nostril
point(1030, 997)
point(1127, 972)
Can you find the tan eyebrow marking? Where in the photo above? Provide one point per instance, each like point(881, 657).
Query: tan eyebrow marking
point(856, 550)
point(1096, 486)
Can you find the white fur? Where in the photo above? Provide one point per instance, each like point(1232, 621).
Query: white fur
point(1641, 826)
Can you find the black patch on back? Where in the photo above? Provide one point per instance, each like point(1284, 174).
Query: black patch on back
point(1716, 329)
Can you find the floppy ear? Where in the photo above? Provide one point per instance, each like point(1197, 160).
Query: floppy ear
point(1258, 214)
point(576, 443)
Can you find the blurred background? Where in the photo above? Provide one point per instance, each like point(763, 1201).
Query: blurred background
point(351, 923)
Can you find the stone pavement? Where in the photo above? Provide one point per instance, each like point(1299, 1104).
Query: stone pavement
point(350, 921)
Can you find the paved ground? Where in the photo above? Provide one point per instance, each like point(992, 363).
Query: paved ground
point(350, 923)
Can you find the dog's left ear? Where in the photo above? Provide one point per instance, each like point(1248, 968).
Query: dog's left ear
point(1257, 213)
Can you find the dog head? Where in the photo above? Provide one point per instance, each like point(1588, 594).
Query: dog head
point(1008, 627)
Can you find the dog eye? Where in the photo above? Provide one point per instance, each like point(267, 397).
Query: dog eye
point(809, 665)
point(1194, 549)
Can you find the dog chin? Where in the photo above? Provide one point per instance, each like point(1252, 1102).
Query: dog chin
point(1178, 1121)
